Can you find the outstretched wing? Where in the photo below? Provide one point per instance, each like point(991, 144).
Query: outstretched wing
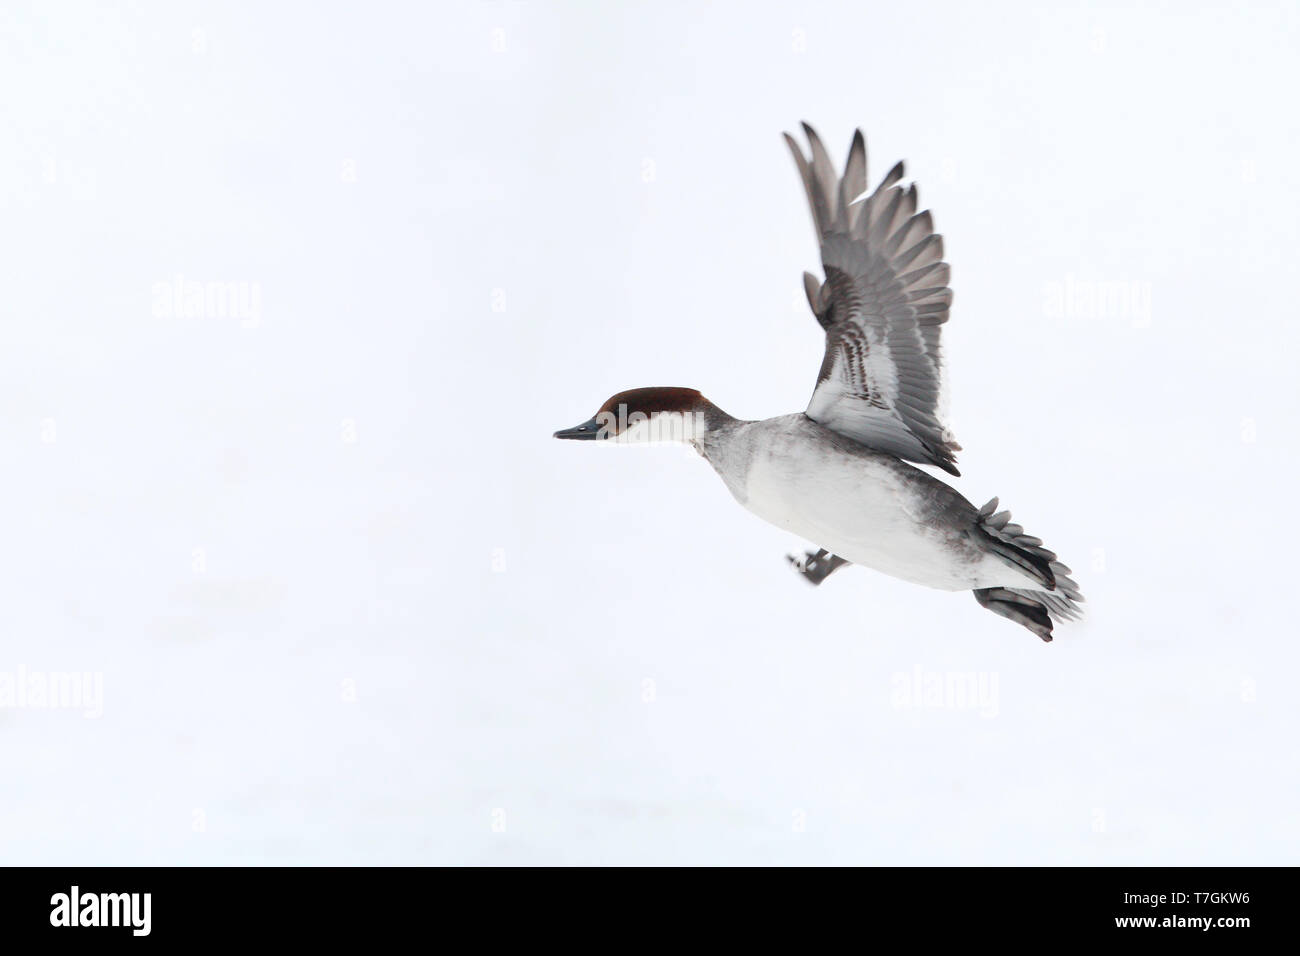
point(883, 303)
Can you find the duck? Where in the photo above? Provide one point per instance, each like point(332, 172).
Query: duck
point(843, 473)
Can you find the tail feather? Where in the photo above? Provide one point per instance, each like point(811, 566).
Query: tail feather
point(1035, 609)
point(1018, 606)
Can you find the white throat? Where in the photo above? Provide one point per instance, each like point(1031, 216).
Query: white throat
point(657, 428)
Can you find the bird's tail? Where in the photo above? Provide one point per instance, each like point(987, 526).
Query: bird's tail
point(1036, 609)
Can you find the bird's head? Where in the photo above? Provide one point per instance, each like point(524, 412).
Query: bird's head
point(648, 415)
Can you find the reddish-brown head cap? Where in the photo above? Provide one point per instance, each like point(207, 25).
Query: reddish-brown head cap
point(645, 405)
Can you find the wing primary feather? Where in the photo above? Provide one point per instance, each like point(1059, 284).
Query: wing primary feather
point(805, 174)
point(854, 183)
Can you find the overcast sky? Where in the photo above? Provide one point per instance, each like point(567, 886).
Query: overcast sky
point(295, 294)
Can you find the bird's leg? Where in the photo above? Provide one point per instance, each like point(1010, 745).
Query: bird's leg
point(817, 567)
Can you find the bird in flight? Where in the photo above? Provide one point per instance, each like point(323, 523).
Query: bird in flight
point(838, 473)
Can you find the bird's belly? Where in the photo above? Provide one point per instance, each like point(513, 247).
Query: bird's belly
point(866, 513)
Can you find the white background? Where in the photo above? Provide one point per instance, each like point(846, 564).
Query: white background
point(350, 601)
